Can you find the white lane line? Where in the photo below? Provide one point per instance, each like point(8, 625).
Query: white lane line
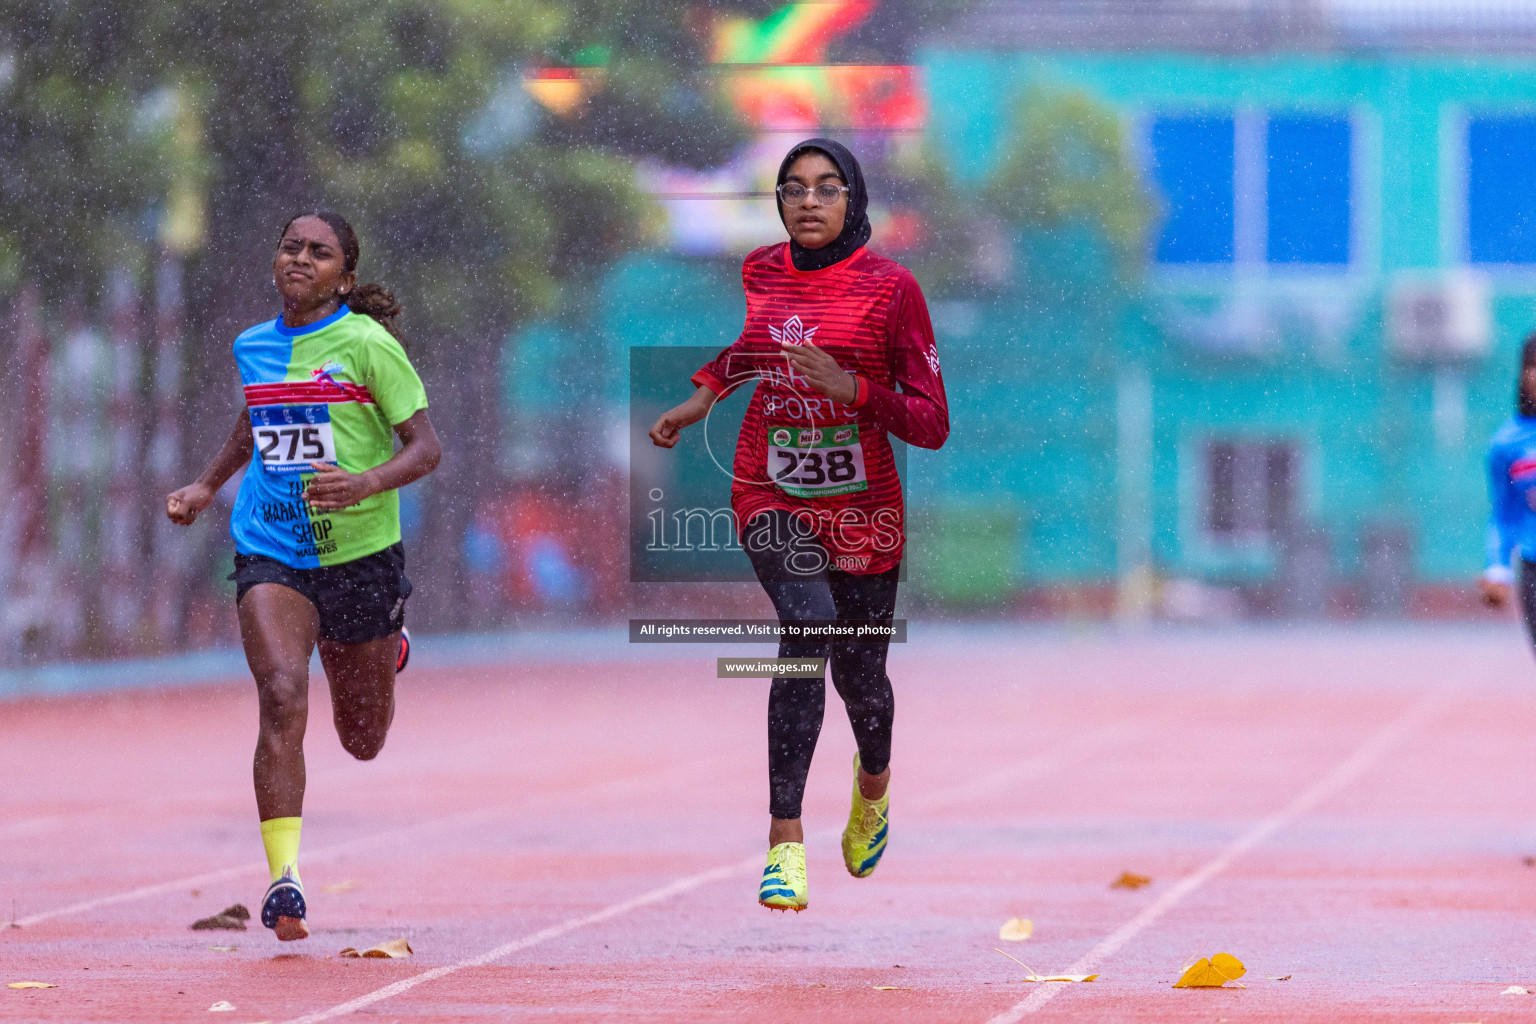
point(1362, 760)
point(1031, 770)
point(619, 787)
point(681, 885)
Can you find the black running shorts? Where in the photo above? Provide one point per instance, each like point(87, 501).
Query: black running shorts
point(358, 601)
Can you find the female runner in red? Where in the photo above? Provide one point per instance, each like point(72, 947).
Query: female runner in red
point(839, 341)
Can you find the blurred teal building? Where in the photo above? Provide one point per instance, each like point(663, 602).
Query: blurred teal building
point(1286, 414)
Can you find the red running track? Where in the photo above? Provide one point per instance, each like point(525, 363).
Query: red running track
point(581, 842)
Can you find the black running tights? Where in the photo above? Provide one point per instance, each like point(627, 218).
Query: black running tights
point(796, 706)
point(1525, 586)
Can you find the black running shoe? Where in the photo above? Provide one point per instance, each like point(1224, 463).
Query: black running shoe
point(283, 910)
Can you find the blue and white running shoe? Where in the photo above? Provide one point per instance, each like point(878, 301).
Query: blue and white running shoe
point(283, 909)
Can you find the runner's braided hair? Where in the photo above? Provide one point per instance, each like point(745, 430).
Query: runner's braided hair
point(373, 298)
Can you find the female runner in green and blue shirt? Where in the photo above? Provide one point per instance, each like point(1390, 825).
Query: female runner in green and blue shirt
point(316, 525)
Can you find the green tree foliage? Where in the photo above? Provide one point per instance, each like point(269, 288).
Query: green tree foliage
point(1064, 196)
point(1067, 166)
point(76, 166)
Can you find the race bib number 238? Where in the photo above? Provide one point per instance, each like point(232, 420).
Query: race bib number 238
point(290, 437)
point(816, 462)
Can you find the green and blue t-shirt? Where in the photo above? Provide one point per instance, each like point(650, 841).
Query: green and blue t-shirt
point(327, 392)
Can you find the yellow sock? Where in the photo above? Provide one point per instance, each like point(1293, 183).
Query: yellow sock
point(280, 836)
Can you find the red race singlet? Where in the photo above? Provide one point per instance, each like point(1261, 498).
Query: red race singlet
point(802, 452)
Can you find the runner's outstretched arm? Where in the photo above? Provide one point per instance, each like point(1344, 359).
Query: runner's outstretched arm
point(183, 506)
point(1497, 580)
point(670, 424)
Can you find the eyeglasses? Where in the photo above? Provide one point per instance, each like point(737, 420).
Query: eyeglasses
point(795, 194)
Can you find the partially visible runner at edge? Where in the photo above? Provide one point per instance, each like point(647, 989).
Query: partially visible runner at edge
point(316, 525)
point(838, 339)
point(1512, 493)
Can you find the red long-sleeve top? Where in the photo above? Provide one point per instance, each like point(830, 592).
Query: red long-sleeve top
point(799, 450)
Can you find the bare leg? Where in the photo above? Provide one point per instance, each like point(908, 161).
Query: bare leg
point(362, 678)
point(278, 627)
point(872, 787)
point(784, 830)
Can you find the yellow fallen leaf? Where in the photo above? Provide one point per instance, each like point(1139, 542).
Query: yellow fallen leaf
point(29, 984)
point(336, 887)
point(1212, 973)
point(394, 949)
point(1016, 929)
point(1515, 990)
point(223, 949)
point(1128, 880)
point(1054, 977)
point(222, 1006)
point(893, 988)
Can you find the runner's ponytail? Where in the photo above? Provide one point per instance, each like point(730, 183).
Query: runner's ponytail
point(372, 299)
point(376, 301)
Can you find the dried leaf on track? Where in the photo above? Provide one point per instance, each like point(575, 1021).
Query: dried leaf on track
point(336, 887)
point(1016, 929)
point(222, 1006)
point(30, 984)
point(1053, 977)
point(394, 949)
point(229, 919)
point(223, 949)
point(1130, 880)
point(1515, 990)
point(1212, 973)
point(894, 988)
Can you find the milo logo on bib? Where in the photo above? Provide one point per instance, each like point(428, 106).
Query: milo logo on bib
point(816, 462)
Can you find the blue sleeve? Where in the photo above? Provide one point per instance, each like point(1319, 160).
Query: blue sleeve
point(1504, 522)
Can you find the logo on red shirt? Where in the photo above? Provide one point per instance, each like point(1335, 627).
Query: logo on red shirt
point(793, 332)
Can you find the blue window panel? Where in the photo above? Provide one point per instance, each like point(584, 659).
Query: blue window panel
point(1192, 166)
point(1501, 189)
point(1308, 189)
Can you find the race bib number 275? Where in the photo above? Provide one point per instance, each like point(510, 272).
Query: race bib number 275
point(290, 437)
point(816, 462)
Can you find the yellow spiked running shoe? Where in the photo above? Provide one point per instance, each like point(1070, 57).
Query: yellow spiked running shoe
point(868, 822)
point(783, 886)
